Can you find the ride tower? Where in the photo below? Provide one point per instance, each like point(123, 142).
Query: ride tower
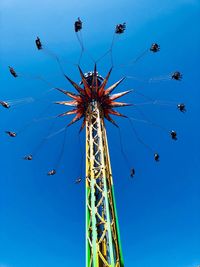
point(94, 103)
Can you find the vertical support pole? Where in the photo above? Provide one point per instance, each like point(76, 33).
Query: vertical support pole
point(102, 231)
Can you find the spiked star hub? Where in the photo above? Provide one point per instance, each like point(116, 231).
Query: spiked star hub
point(93, 89)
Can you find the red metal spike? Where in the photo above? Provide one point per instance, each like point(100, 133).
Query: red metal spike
point(112, 87)
point(116, 113)
point(83, 125)
point(76, 86)
point(103, 85)
point(75, 119)
point(110, 120)
point(86, 86)
point(70, 112)
point(67, 103)
point(116, 96)
point(119, 104)
point(95, 80)
point(72, 95)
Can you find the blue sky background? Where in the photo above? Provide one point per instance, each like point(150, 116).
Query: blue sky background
point(41, 217)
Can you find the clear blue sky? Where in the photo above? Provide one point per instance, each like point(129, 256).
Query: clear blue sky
point(41, 217)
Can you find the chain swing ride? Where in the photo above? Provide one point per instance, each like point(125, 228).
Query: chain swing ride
point(94, 102)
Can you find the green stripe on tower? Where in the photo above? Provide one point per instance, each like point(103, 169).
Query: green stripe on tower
point(117, 226)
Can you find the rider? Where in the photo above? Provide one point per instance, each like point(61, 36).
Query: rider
point(78, 25)
point(38, 43)
point(12, 71)
point(28, 157)
point(4, 104)
point(154, 48)
point(181, 107)
point(173, 135)
point(176, 76)
point(132, 172)
point(78, 180)
point(51, 172)
point(156, 157)
point(120, 28)
point(11, 134)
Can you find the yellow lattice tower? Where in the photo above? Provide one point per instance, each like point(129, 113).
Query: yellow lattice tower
point(94, 103)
